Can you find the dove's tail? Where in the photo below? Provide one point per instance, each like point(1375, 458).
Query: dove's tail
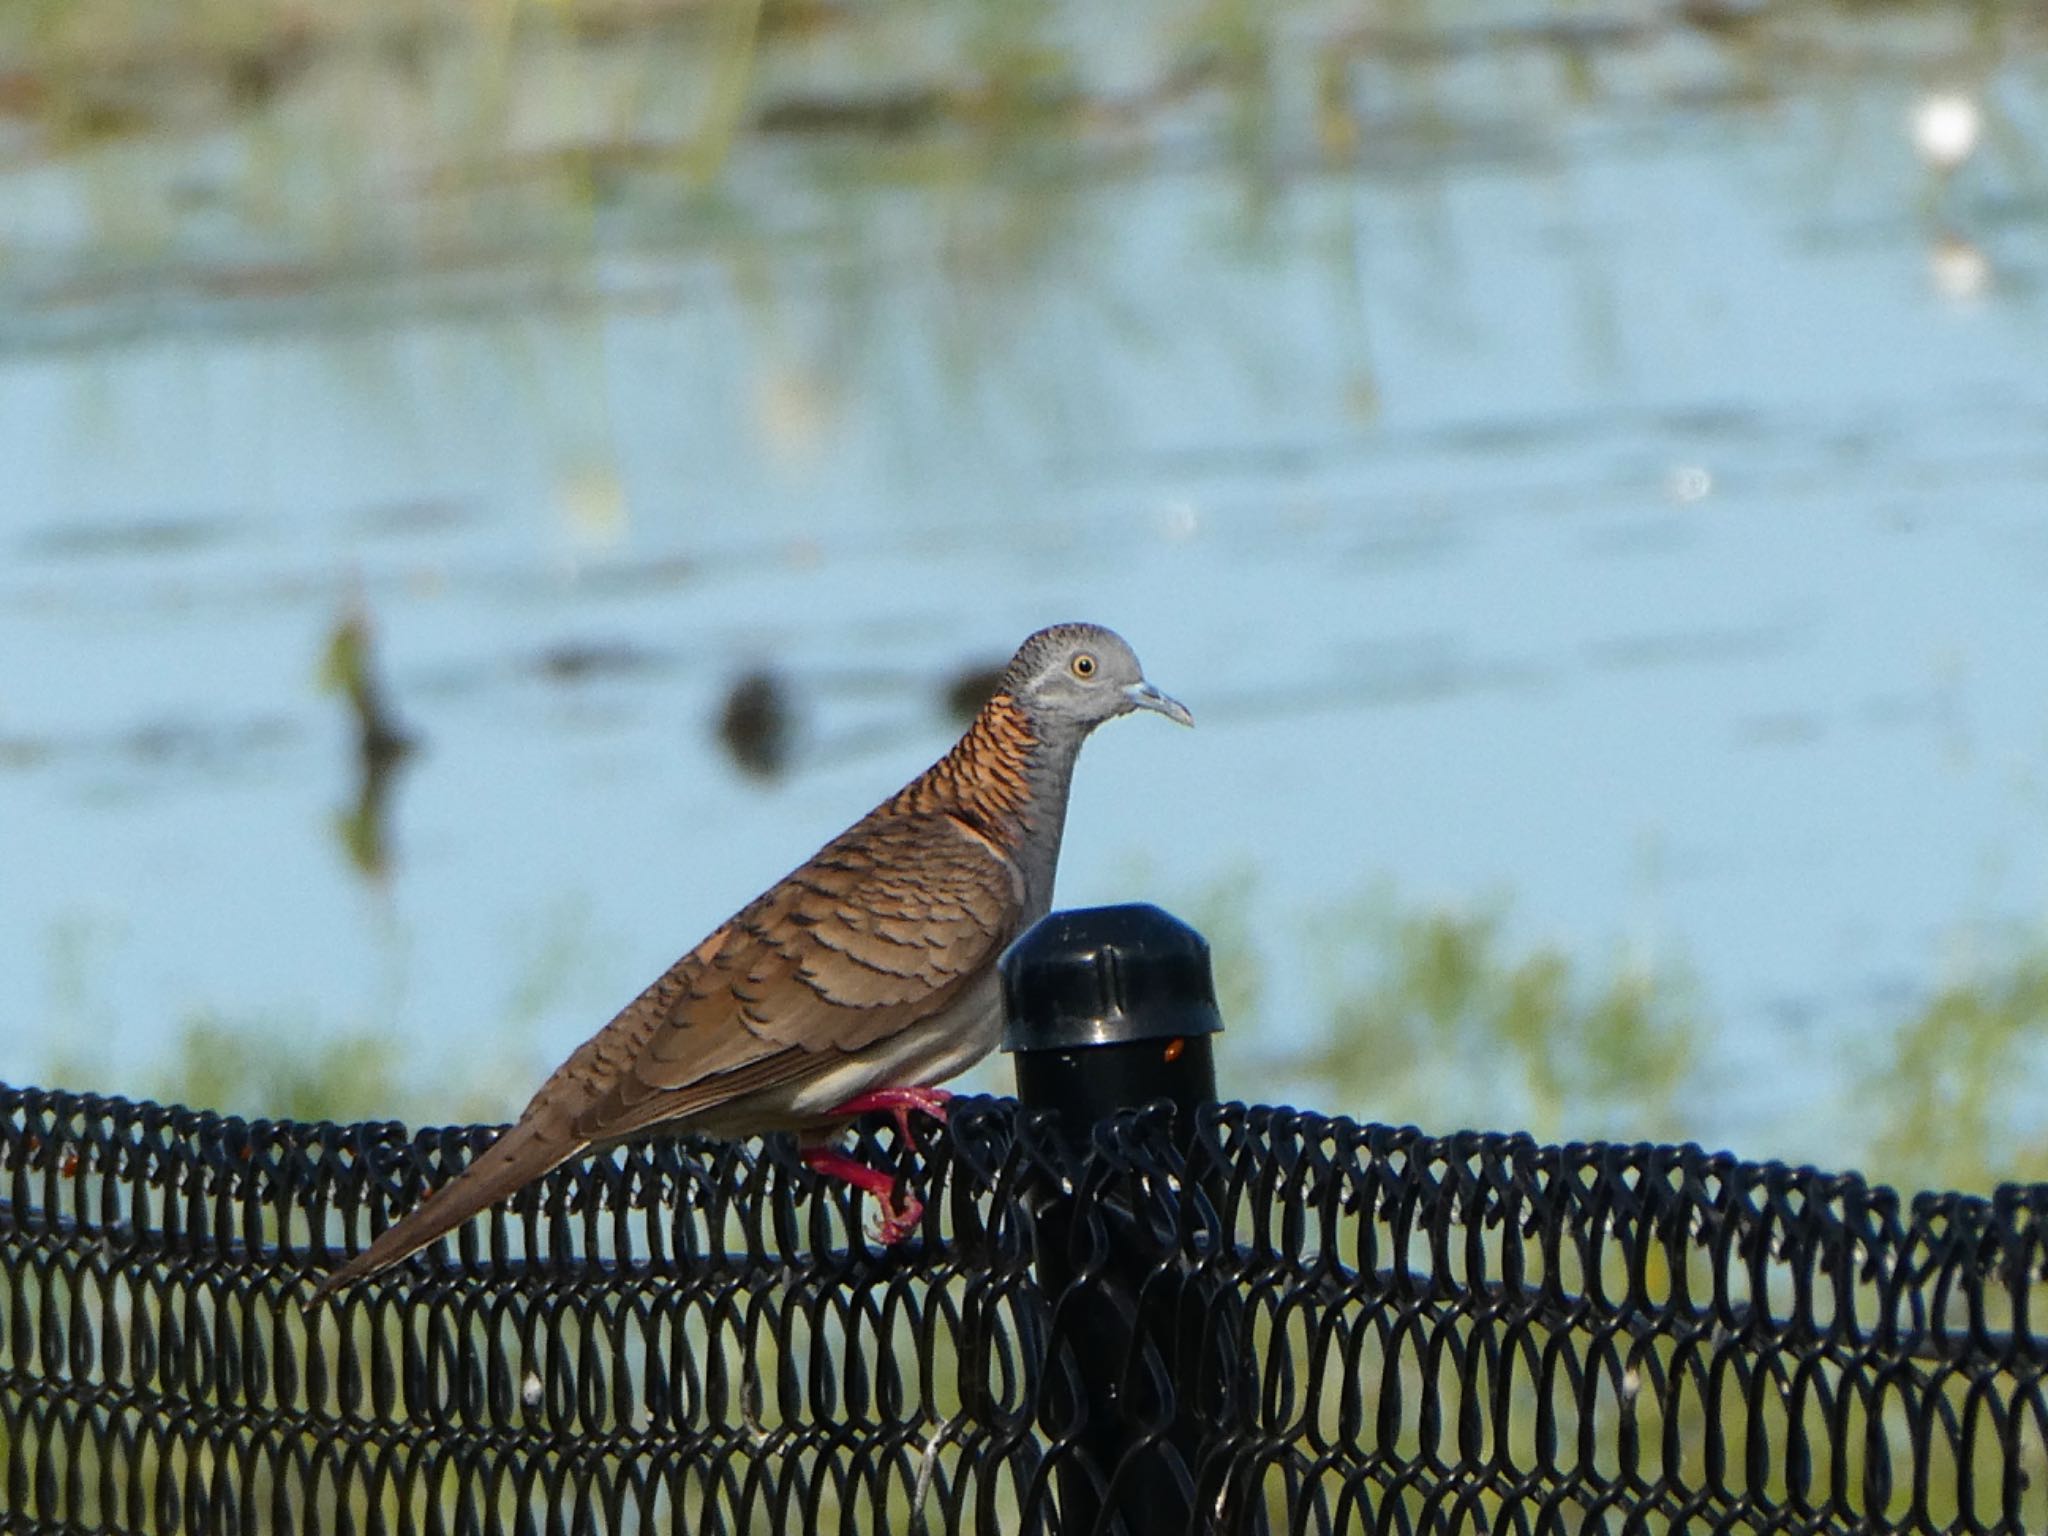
point(514, 1160)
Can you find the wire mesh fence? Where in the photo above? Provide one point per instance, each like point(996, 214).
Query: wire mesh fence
point(1325, 1326)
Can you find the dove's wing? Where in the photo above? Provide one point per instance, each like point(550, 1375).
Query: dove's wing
point(881, 931)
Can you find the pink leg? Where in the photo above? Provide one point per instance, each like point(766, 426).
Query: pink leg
point(899, 1102)
point(898, 1221)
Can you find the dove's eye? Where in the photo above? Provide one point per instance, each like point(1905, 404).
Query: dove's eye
point(1084, 666)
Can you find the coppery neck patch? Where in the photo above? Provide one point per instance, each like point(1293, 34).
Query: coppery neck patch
point(986, 778)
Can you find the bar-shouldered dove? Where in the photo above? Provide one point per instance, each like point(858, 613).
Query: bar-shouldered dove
point(859, 982)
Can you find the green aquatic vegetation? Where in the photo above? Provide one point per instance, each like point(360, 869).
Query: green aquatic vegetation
point(1445, 1016)
point(1952, 1095)
point(288, 1068)
point(1438, 1016)
point(257, 1069)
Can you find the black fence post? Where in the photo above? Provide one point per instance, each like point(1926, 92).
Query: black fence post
point(1112, 1008)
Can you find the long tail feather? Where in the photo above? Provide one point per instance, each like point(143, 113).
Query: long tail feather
point(514, 1160)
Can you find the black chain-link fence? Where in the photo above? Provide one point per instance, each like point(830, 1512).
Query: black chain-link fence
point(1325, 1326)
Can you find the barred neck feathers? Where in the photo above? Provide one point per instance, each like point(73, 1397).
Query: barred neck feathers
point(988, 779)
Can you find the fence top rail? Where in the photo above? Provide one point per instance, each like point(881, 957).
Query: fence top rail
point(1633, 1235)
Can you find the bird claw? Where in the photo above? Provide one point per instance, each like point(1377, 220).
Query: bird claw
point(899, 1219)
point(900, 1214)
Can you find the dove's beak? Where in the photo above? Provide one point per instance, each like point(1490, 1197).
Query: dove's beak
point(1145, 696)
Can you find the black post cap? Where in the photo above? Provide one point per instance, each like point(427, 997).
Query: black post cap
point(1105, 976)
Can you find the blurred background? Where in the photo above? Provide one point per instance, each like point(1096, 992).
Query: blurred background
point(487, 485)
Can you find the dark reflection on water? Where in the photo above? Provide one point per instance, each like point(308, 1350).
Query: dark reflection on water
point(757, 724)
point(137, 537)
point(162, 754)
point(968, 689)
point(576, 661)
point(1593, 458)
point(1694, 646)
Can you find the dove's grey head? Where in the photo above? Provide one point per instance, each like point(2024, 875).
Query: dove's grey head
point(1072, 677)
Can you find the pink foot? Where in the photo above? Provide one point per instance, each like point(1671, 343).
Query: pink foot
point(899, 1220)
point(899, 1102)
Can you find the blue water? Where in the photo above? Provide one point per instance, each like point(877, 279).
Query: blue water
point(1638, 510)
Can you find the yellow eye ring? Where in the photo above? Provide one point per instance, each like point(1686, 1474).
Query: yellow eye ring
point(1083, 666)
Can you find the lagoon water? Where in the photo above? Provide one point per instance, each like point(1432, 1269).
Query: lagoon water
point(1612, 483)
